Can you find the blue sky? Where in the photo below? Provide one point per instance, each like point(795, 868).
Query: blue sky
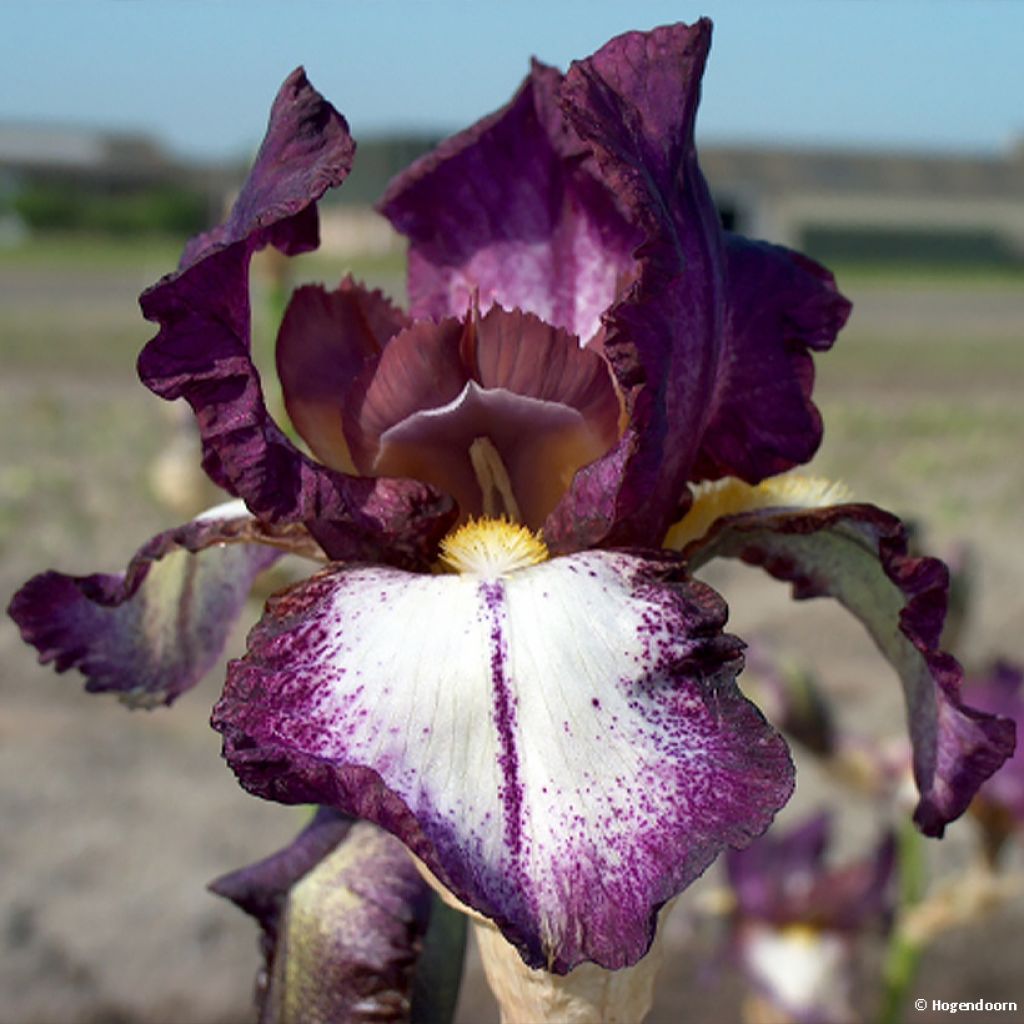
point(200, 74)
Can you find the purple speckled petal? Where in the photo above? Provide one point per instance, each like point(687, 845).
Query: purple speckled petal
point(634, 103)
point(343, 913)
point(508, 210)
point(152, 632)
point(780, 305)
point(564, 746)
point(858, 555)
point(202, 351)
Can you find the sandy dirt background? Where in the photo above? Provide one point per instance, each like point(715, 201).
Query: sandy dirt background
point(112, 822)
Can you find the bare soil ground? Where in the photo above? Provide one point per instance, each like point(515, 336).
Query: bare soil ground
point(113, 821)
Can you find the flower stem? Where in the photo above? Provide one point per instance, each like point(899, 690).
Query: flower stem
point(904, 953)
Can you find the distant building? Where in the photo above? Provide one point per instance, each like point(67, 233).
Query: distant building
point(105, 160)
point(859, 203)
point(833, 203)
point(77, 166)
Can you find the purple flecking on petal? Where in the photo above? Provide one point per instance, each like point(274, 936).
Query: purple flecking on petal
point(509, 211)
point(634, 104)
point(498, 410)
point(153, 632)
point(858, 555)
point(343, 912)
point(325, 341)
point(202, 352)
point(780, 305)
point(564, 747)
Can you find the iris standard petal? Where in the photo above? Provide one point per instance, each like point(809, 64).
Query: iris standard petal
point(634, 103)
point(563, 746)
point(151, 633)
point(708, 336)
point(202, 352)
point(343, 912)
point(507, 211)
point(858, 555)
point(779, 307)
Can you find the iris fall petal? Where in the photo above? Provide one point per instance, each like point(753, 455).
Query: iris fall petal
point(564, 747)
point(152, 632)
point(858, 555)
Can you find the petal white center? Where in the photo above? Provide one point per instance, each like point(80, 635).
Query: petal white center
point(568, 737)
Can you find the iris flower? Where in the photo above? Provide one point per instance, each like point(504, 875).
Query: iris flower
point(999, 805)
point(796, 921)
point(506, 661)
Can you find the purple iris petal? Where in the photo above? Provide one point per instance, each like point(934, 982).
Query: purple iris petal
point(343, 913)
point(715, 328)
point(152, 632)
point(509, 211)
point(564, 747)
point(598, 212)
point(325, 341)
point(202, 351)
point(858, 555)
point(634, 103)
point(780, 304)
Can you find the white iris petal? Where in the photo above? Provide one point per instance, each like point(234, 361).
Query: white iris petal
point(567, 736)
